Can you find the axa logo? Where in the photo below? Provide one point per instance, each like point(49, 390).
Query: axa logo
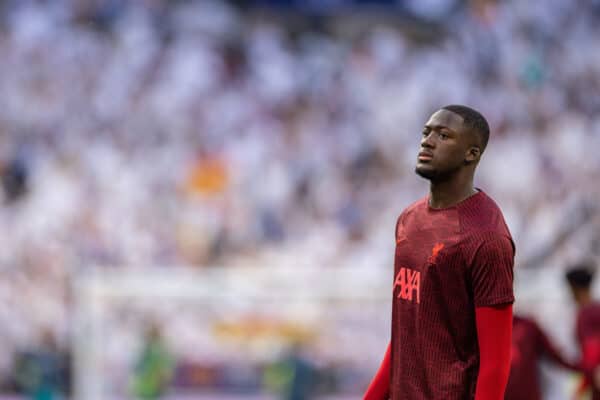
point(434, 252)
point(408, 282)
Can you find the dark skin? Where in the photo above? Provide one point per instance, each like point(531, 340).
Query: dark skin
point(449, 154)
point(582, 295)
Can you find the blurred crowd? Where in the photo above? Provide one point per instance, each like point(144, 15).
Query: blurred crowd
point(152, 134)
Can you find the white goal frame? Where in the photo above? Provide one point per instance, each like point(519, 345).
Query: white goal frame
point(210, 285)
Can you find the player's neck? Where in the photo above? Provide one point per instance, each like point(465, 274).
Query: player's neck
point(448, 193)
point(584, 299)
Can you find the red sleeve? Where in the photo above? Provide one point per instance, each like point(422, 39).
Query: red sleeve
point(494, 334)
point(491, 269)
point(590, 355)
point(379, 389)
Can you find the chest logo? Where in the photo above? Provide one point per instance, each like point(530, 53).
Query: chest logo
point(434, 252)
point(409, 283)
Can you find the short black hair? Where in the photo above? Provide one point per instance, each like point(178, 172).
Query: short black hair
point(580, 276)
point(474, 120)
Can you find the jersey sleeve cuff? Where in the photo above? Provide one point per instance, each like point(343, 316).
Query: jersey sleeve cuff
point(496, 302)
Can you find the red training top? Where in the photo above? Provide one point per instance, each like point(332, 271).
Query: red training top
point(588, 336)
point(447, 262)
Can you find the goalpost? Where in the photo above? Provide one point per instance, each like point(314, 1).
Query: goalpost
point(231, 315)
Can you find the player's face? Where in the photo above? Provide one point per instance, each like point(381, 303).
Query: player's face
point(444, 146)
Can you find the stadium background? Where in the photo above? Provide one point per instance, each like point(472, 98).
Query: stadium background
point(230, 173)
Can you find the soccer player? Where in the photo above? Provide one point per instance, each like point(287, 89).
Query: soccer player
point(529, 345)
point(587, 328)
point(453, 276)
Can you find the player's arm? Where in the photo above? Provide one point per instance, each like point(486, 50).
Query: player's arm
point(379, 389)
point(590, 355)
point(494, 334)
point(491, 269)
point(550, 351)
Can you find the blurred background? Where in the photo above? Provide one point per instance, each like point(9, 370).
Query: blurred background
point(199, 197)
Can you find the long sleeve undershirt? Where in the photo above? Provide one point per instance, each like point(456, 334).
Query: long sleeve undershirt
point(494, 332)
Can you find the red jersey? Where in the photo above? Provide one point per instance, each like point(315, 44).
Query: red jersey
point(529, 345)
point(588, 322)
point(588, 336)
point(447, 262)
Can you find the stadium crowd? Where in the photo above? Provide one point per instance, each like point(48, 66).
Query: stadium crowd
point(152, 134)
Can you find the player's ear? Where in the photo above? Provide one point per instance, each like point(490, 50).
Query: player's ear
point(473, 154)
